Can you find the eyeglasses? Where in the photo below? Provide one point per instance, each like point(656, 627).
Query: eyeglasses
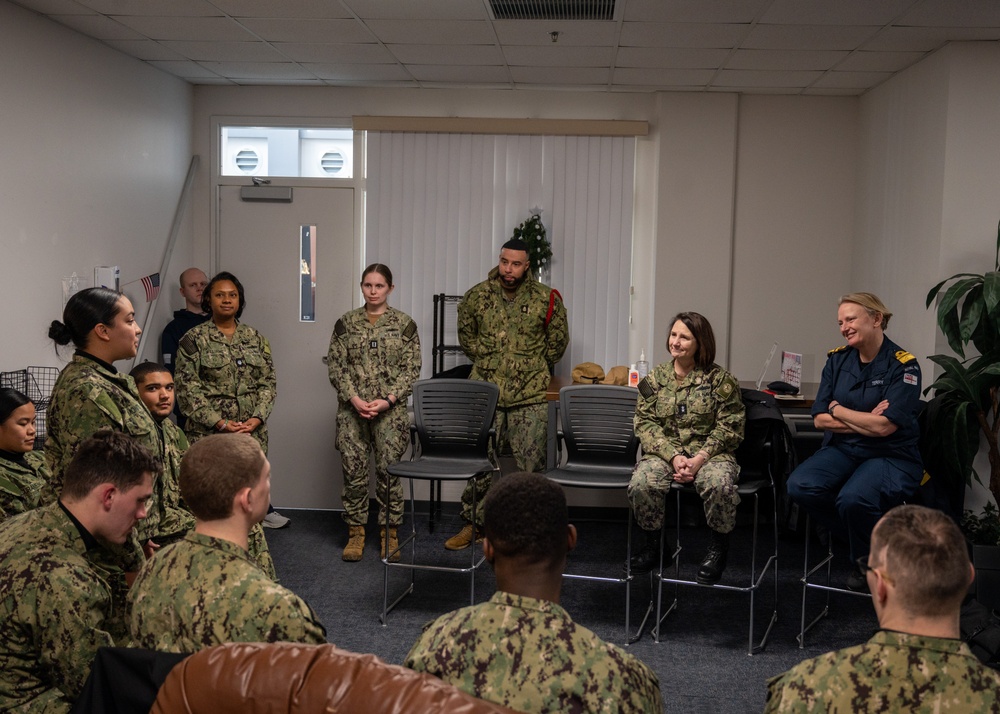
point(863, 566)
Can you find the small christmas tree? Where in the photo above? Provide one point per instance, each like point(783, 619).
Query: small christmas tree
point(532, 232)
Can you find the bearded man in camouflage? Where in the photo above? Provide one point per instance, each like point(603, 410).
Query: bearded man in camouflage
point(58, 602)
point(521, 649)
point(514, 329)
point(918, 572)
point(205, 590)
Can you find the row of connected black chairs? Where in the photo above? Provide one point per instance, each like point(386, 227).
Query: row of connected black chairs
point(452, 440)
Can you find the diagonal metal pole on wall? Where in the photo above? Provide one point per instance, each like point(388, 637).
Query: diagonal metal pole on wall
point(175, 227)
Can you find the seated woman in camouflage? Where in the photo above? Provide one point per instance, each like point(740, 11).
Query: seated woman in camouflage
point(23, 472)
point(689, 420)
point(225, 376)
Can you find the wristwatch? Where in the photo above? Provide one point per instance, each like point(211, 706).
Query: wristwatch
point(829, 409)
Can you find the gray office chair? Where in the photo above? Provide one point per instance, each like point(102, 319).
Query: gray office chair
point(601, 448)
point(450, 441)
point(758, 457)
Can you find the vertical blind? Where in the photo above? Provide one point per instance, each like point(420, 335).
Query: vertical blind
point(439, 206)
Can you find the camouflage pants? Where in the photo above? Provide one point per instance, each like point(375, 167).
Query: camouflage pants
point(357, 439)
point(259, 552)
point(525, 429)
point(715, 483)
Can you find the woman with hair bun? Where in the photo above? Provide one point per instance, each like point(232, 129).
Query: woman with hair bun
point(91, 394)
point(23, 472)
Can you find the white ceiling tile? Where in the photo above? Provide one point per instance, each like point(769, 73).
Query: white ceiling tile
point(359, 72)
point(537, 32)
point(785, 60)
point(557, 56)
point(145, 50)
point(56, 7)
point(679, 57)
point(265, 70)
point(661, 77)
point(835, 12)
point(285, 8)
point(926, 39)
point(208, 29)
point(179, 8)
point(443, 73)
point(417, 10)
point(449, 32)
point(863, 61)
point(752, 78)
point(227, 51)
point(98, 26)
point(673, 34)
point(722, 11)
point(831, 92)
point(724, 89)
point(447, 54)
point(303, 30)
point(560, 75)
point(807, 37)
point(853, 80)
point(184, 69)
point(334, 53)
point(953, 13)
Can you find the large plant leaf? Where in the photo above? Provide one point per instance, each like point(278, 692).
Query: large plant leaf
point(955, 379)
point(972, 311)
point(991, 291)
point(932, 293)
point(947, 312)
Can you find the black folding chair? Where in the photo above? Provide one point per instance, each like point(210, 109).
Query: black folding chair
point(450, 440)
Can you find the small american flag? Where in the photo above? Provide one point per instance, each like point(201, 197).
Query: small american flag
point(151, 283)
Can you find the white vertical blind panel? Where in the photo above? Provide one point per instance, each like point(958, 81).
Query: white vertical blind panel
point(439, 206)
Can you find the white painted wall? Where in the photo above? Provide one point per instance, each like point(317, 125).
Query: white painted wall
point(94, 147)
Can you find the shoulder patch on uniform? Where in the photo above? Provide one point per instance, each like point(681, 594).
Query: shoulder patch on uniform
point(340, 329)
point(646, 387)
point(904, 356)
point(726, 387)
point(835, 350)
point(409, 331)
point(267, 346)
point(187, 343)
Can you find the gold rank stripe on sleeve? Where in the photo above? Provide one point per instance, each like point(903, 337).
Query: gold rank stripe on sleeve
point(835, 350)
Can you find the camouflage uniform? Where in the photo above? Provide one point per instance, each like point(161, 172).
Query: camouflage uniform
point(527, 654)
point(21, 482)
point(204, 591)
point(56, 608)
point(702, 412)
point(181, 520)
point(87, 396)
point(892, 672)
point(370, 362)
point(220, 379)
point(510, 345)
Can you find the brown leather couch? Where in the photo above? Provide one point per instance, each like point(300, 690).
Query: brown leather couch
point(252, 678)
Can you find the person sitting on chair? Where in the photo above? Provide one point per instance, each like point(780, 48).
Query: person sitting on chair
point(205, 590)
point(521, 649)
point(689, 420)
point(918, 571)
point(867, 405)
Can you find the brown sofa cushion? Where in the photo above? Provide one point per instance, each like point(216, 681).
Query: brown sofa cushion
point(246, 678)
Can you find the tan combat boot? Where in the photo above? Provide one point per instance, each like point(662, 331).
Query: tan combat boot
point(355, 545)
point(463, 539)
point(393, 545)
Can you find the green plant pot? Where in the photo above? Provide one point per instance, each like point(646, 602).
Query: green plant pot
point(986, 560)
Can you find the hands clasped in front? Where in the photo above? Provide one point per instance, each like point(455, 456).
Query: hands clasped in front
point(370, 410)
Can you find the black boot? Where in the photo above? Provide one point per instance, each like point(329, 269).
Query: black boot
point(648, 558)
point(714, 562)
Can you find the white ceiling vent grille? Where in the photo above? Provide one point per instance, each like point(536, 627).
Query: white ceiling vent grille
point(247, 160)
point(332, 162)
point(553, 9)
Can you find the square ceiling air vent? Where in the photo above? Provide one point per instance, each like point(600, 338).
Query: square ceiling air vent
point(553, 9)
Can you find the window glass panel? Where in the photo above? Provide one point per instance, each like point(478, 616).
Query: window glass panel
point(287, 151)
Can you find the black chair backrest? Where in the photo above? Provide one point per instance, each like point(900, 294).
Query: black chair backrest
point(597, 421)
point(766, 445)
point(454, 416)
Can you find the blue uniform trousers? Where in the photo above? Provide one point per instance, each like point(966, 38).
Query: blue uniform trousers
point(849, 494)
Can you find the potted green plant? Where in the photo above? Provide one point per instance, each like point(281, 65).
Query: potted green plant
point(968, 313)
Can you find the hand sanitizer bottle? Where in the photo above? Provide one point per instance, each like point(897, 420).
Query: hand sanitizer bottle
point(642, 366)
point(633, 376)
